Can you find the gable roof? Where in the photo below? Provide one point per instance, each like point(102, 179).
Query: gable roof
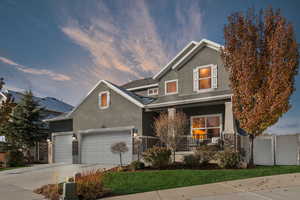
point(137, 100)
point(182, 56)
point(141, 83)
point(200, 45)
point(48, 103)
point(184, 51)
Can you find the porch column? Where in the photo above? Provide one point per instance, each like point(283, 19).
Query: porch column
point(229, 121)
point(171, 112)
point(229, 133)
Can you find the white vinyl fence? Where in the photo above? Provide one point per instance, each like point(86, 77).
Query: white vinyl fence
point(276, 150)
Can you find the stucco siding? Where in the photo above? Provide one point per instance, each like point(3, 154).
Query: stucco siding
point(121, 112)
point(61, 126)
point(184, 74)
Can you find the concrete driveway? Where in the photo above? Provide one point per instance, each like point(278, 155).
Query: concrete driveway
point(18, 184)
point(280, 187)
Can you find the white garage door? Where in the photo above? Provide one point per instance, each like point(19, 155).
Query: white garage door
point(62, 148)
point(95, 147)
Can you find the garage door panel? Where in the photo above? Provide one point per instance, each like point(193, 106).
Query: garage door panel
point(63, 148)
point(95, 148)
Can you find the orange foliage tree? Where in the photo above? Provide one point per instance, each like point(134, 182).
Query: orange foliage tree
point(261, 55)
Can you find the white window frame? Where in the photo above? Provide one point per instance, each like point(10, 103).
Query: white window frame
point(153, 93)
point(213, 77)
point(108, 99)
point(210, 115)
point(170, 93)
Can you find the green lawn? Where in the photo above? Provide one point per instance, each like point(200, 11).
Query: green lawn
point(135, 182)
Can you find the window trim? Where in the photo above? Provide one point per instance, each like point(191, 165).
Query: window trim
point(198, 90)
point(108, 99)
point(209, 115)
point(153, 94)
point(170, 93)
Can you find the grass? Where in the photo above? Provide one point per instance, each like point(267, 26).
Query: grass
point(144, 181)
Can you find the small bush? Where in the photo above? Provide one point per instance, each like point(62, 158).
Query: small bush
point(15, 158)
point(50, 191)
point(206, 153)
point(135, 165)
point(191, 160)
point(158, 157)
point(228, 159)
point(90, 185)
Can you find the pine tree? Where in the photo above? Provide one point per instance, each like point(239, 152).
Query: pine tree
point(26, 127)
point(6, 108)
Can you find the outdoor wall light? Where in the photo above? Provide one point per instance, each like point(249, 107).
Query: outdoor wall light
point(135, 132)
point(48, 140)
point(74, 137)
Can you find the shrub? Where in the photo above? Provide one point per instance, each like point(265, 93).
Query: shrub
point(228, 159)
point(206, 153)
point(135, 165)
point(191, 160)
point(90, 185)
point(15, 158)
point(158, 157)
point(50, 191)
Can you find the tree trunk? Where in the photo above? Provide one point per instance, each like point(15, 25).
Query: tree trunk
point(251, 161)
point(121, 159)
point(174, 151)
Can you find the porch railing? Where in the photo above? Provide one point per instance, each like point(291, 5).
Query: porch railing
point(186, 143)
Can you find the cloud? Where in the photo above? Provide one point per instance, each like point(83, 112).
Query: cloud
point(286, 125)
point(128, 45)
point(29, 70)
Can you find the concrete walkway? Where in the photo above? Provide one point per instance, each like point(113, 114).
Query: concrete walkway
point(18, 184)
point(280, 187)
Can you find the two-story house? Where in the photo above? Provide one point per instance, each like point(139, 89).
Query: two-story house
point(194, 81)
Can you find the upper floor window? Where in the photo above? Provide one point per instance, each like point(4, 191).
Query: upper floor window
point(205, 77)
point(171, 87)
point(152, 91)
point(104, 99)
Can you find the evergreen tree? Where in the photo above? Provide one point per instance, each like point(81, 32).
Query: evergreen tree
point(6, 108)
point(26, 127)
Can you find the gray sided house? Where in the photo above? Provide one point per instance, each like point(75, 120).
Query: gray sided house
point(194, 82)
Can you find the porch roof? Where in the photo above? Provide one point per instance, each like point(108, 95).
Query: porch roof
point(189, 99)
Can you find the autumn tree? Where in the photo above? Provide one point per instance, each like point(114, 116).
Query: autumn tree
point(261, 55)
point(170, 129)
point(119, 148)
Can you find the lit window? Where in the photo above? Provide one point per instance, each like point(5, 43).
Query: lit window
point(152, 91)
point(103, 99)
point(205, 77)
point(206, 127)
point(171, 87)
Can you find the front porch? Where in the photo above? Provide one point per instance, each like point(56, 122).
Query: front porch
point(208, 123)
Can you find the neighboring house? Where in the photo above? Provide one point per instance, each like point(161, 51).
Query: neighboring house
point(194, 81)
point(52, 107)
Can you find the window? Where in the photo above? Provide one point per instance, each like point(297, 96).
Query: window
point(104, 100)
point(152, 91)
point(206, 127)
point(205, 78)
point(171, 87)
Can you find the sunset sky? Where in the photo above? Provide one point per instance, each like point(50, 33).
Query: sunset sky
point(61, 48)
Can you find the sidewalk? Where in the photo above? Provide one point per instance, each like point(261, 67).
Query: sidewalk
point(279, 187)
